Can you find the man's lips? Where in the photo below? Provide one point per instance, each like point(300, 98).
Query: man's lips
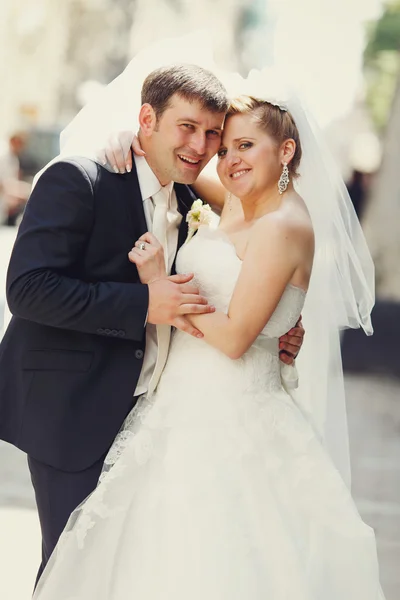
point(189, 160)
point(238, 174)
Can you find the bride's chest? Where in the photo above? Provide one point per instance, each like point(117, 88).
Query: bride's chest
point(214, 263)
point(211, 257)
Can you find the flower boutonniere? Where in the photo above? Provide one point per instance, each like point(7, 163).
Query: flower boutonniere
point(199, 214)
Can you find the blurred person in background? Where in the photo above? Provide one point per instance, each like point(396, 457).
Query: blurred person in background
point(14, 192)
point(358, 187)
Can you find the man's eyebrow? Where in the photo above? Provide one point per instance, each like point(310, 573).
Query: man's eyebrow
point(194, 122)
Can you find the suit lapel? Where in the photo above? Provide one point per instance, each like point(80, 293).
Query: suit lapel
point(134, 201)
point(185, 198)
point(184, 195)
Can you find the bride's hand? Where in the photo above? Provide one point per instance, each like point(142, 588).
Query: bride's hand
point(148, 256)
point(118, 151)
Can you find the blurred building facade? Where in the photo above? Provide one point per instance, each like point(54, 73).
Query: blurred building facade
point(33, 42)
point(56, 52)
point(50, 48)
point(383, 212)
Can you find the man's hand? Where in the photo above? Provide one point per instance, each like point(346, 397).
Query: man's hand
point(171, 298)
point(290, 343)
point(148, 256)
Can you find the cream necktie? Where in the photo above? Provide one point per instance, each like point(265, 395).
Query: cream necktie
point(159, 230)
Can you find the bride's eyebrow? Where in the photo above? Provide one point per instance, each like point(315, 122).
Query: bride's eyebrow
point(250, 139)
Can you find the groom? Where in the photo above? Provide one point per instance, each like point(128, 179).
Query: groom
point(87, 337)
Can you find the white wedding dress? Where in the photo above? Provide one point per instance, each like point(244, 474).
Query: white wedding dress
point(217, 488)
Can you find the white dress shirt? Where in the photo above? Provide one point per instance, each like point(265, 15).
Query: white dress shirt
point(149, 185)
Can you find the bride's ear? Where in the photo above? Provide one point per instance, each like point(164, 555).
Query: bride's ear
point(287, 151)
point(147, 119)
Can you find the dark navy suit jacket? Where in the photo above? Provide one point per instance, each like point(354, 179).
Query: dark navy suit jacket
point(72, 354)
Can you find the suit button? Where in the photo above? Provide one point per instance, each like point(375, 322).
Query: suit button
point(100, 331)
point(114, 332)
point(121, 333)
point(139, 354)
point(107, 331)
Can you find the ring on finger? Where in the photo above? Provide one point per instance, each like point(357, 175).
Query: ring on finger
point(142, 246)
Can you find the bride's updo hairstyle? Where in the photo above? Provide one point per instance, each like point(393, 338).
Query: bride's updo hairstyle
point(273, 120)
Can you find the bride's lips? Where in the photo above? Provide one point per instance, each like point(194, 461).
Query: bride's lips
point(238, 174)
point(189, 161)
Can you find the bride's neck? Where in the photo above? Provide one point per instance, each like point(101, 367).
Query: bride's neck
point(270, 200)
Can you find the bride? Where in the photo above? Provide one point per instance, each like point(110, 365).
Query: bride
point(227, 484)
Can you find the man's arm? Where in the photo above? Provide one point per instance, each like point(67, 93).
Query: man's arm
point(51, 240)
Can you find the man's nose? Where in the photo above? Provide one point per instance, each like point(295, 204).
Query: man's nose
point(198, 143)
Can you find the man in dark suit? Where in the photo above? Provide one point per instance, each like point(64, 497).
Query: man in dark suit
point(87, 336)
point(72, 355)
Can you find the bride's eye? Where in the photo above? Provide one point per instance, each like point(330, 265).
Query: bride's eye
point(245, 145)
point(221, 153)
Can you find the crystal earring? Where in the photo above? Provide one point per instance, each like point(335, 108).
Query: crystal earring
point(283, 179)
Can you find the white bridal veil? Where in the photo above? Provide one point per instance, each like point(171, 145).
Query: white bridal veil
point(341, 292)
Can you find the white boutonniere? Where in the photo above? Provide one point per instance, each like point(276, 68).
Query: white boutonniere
point(199, 214)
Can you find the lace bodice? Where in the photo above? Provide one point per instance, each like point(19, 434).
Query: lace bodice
point(211, 256)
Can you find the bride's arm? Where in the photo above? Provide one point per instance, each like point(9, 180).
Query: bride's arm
point(274, 252)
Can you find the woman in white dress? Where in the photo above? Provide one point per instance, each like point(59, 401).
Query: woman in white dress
point(221, 485)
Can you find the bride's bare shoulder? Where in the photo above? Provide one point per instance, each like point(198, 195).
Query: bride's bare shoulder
point(291, 222)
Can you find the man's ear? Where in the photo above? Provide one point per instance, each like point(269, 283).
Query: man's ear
point(147, 119)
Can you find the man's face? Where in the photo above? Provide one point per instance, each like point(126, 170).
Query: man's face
point(183, 140)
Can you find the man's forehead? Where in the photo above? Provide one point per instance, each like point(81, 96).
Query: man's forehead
point(194, 111)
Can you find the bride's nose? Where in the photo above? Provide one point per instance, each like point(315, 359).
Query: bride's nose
point(233, 159)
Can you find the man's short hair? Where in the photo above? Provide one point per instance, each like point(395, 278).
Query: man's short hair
point(191, 82)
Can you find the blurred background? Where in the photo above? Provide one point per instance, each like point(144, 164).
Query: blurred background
point(345, 55)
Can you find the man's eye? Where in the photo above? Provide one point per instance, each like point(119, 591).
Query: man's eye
point(188, 125)
point(213, 133)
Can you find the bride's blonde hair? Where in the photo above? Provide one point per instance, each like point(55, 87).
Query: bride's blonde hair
point(272, 119)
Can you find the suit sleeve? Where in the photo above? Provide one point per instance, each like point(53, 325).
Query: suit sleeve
point(51, 240)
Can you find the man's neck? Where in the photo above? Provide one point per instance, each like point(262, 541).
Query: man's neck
point(153, 167)
point(151, 162)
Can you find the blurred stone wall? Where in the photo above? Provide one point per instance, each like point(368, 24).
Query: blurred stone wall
point(50, 49)
point(97, 48)
point(220, 18)
point(382, 219)
point(33, 41)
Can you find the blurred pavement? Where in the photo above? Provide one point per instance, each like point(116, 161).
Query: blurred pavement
point(374, 422)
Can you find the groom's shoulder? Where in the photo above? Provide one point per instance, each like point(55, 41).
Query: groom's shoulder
point(88, 168)
point(95, 173)
point(70, 169)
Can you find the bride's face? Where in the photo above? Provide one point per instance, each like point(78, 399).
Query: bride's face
point(249, 160)
point(182, 141)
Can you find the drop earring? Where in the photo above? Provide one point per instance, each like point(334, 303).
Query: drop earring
point(283, 179)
